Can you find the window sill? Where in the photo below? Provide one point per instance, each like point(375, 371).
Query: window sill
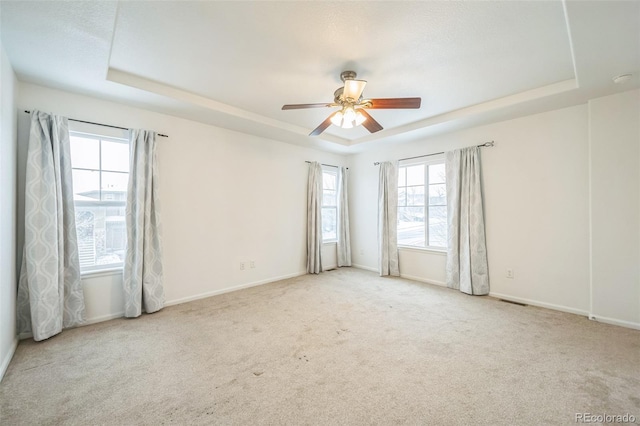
point(329, 243)
point(441, 252)
point(102, 272)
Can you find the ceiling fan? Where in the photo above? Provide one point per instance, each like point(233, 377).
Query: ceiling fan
point(352, 106)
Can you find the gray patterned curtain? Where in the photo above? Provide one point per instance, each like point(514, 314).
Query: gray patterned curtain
point(50, 295)
point(314, 219)
point(388, 219)
point(467, 267)
point(143, 277)
point(344, 239)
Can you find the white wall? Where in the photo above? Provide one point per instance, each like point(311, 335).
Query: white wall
point(218, 209)
point(226, 197)
point(8, 85)
point(536, 208)
point(615, 206)
point(556, 185)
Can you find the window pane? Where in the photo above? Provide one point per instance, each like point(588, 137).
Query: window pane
point(101, 237)
point(329, 181)
point(415, 175)
point(402, 176)
point(84, 153)
point(438, 194)
point(86, 185)
point(415, 196)
point(115, 156)
point(329, 224)
point(114, 186)
point(437, 173)
point(438, 226)
point(411, 226)
point(329, 198)
point(402, 197)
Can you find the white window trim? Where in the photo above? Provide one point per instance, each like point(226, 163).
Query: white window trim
point(427, 161)
point(332, 170)
point(120, 136)
point(103, 272)
point(435, 250)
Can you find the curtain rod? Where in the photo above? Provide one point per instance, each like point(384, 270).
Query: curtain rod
point(328, 165)
point(486, 144)
point(100, 124)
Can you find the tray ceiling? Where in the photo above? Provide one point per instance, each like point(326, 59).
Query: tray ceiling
point(234, 64)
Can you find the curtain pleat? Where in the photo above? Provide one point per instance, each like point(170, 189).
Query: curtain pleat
point(50, 295)
point(467, 266)
point(143, 273)
point(387, 219)
point(314, 219)
point(344, 239)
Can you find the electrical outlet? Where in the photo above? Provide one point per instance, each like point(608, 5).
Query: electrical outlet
point(509, 273)
point(242, 266)
point(252, 264)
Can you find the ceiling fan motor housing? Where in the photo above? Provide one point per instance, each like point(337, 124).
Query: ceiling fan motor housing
point(348, 75)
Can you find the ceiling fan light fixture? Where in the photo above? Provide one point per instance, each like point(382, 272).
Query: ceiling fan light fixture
point(348, 118)
point(353, 89)
point(353, 107)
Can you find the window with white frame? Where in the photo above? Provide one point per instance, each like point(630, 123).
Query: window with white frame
point(100, 176)
point(329, 204)
point(422, 204)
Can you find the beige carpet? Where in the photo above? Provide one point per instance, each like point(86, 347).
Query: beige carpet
point(345, 347)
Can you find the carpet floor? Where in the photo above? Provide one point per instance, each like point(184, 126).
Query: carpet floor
point(346, 347)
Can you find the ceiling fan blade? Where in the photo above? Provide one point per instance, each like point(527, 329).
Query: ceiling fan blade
point(302, 106)
point(370, 124)
point(393, 103)
point(353, 89)
point(323, 126)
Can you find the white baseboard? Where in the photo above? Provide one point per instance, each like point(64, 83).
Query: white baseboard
point(409, 277)
point(540, 304)
point(366, 268)
point(423, 280)
point(103, 318)
point(613, 321)
point(199, 296)
point(230, 289)
point(115, 315)
point(8, 357)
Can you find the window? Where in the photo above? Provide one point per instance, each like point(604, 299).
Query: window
point(422, 204)
point(329, 204)
point(100, 176)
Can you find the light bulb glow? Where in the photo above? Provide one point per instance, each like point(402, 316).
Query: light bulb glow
point(336, 120)
point(349, 114)
point(348, 118)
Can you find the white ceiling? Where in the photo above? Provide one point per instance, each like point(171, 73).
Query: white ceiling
point(234, 64)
